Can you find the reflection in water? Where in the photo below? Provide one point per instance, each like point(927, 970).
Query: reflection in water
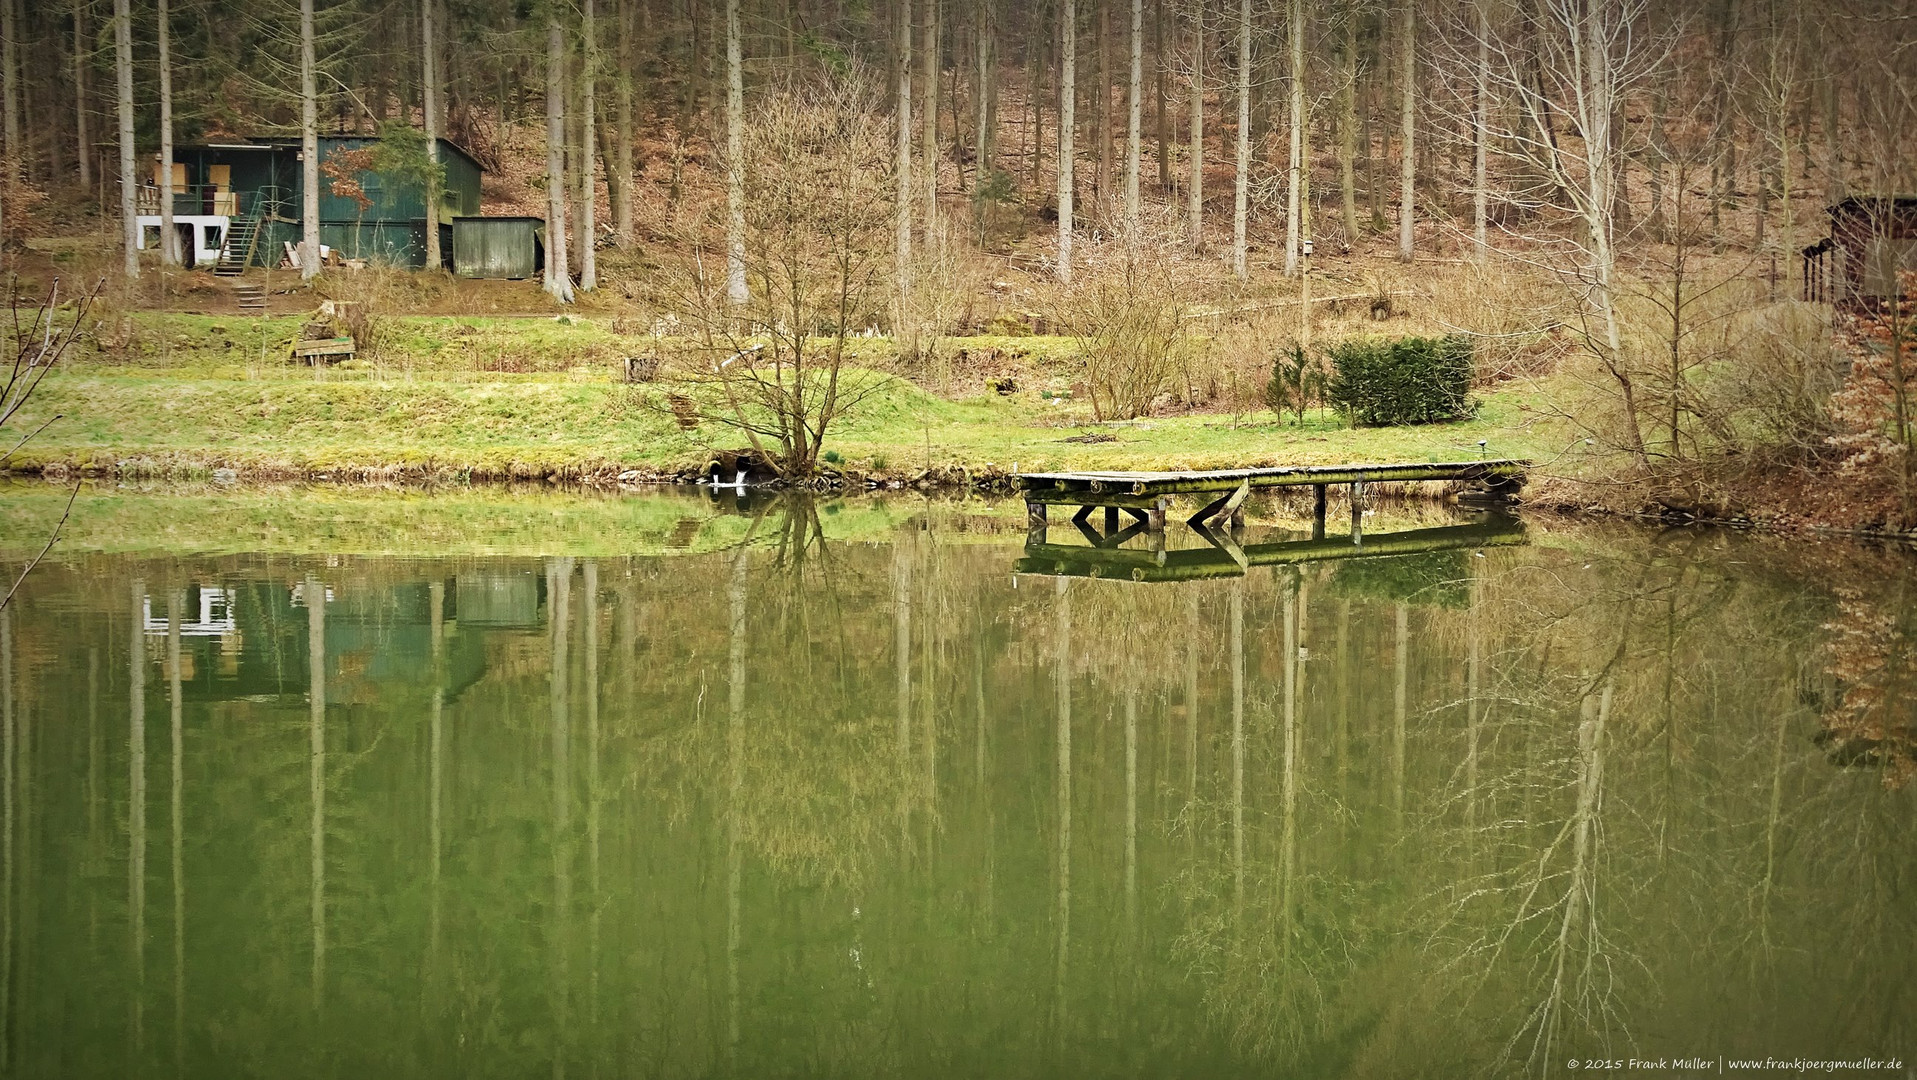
point(1421, 812)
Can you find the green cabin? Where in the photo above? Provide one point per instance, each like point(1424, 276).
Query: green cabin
point(256, 186)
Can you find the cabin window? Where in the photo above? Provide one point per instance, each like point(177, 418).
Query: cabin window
point(150, 238)
point(214, 235)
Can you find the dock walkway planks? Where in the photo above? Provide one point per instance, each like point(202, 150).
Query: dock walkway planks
point(1147, 495)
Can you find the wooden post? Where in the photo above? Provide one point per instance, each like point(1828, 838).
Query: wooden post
point(1111, 520)
point(1155, 517)
point(1317, 511)
point(1357, 513)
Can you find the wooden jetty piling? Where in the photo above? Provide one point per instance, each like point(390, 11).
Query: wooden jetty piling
point(1146, 496)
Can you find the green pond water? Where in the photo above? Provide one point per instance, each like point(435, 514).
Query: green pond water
point(323, 783)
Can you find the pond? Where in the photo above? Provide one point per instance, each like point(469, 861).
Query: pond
point(310, 782)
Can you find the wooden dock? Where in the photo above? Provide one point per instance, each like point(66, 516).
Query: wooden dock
point(1226, 559)
point(1147, 496)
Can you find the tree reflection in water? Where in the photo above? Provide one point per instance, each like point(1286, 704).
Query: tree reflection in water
point(1465, 812)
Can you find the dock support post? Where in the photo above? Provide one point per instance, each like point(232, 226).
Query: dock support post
point(1034, 522)
point(1155, 517)
point(1317, 511)
point(1357, 513)
point(1111, 520)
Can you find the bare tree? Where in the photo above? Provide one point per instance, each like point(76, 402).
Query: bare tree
point(83, 146)
point(929, 117)
point(429, 85)
point(1241, 180)
point(123, 71)
point(1294, 190)
point(736, 288)
point(1195, 136)
point(1481, 132)
point(1135, 102)
point(819, 199)
point(10, 80)
point(558, 275)
point(588, 144)
point(902, 249)
point(1348, 124)
point(1408, 126)
point(1580, 62)
point(1067, 104)
point(309, 147)
point(169, 243)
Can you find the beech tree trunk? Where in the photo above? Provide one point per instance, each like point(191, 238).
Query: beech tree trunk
point(123, 73)
point(429, 95)
point(558, 274)
point(1481, 120)
point(589, 150)
point(929, 133)
point(1408, 159)
point(1241, 180)
point(10, 82)
point(736, 290)
point(309, 147)
point(1067, 107)
point(1294, 193)
point(1163, 127)
point(903, 252)
point(619, 176)
point(1348, 128)
point(1195, 136)
point(83, 144)
point(169, 243)
point(987, 88)
point(1135, 99)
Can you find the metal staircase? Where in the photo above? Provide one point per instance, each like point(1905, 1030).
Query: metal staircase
point(236, 250)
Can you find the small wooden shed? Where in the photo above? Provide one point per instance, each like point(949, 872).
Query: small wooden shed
point(497, 247)
point(1872, 239)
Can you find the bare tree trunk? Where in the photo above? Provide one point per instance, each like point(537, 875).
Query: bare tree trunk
point(1294, 190)
point(589, 150)
point(929, 132)
point(903, 252)
point(558, 273)
point(1135, 101)
point(83, 144)
point(123, 72)
point(1481, 122)
point(1163, 126)
point(1408, 133)
point(169, 243)
point(429, 97)
point(10, 82)
point(1195, 136)
point(736, 290)
point(1348, 127)
point(619, 176)
point(1241, 183)
point(1067, 106)
point(987, 88)
point(1101, 125)
point(309, 146)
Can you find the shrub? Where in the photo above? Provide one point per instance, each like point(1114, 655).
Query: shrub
point(1297, 383)
point(1412, 380)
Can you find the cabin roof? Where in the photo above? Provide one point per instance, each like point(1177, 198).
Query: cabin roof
point(275, 142)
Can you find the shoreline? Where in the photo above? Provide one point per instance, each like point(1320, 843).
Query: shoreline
point(957, 479)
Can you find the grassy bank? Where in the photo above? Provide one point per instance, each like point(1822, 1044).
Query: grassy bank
point(476, 399)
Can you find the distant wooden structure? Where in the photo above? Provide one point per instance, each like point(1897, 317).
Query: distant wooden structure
point(1873, 238)
point(1224, 558)
point(1147, 496)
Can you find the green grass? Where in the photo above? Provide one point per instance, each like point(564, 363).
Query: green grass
point(184, 395)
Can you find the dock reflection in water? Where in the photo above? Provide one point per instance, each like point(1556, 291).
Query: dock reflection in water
point(841, 796)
